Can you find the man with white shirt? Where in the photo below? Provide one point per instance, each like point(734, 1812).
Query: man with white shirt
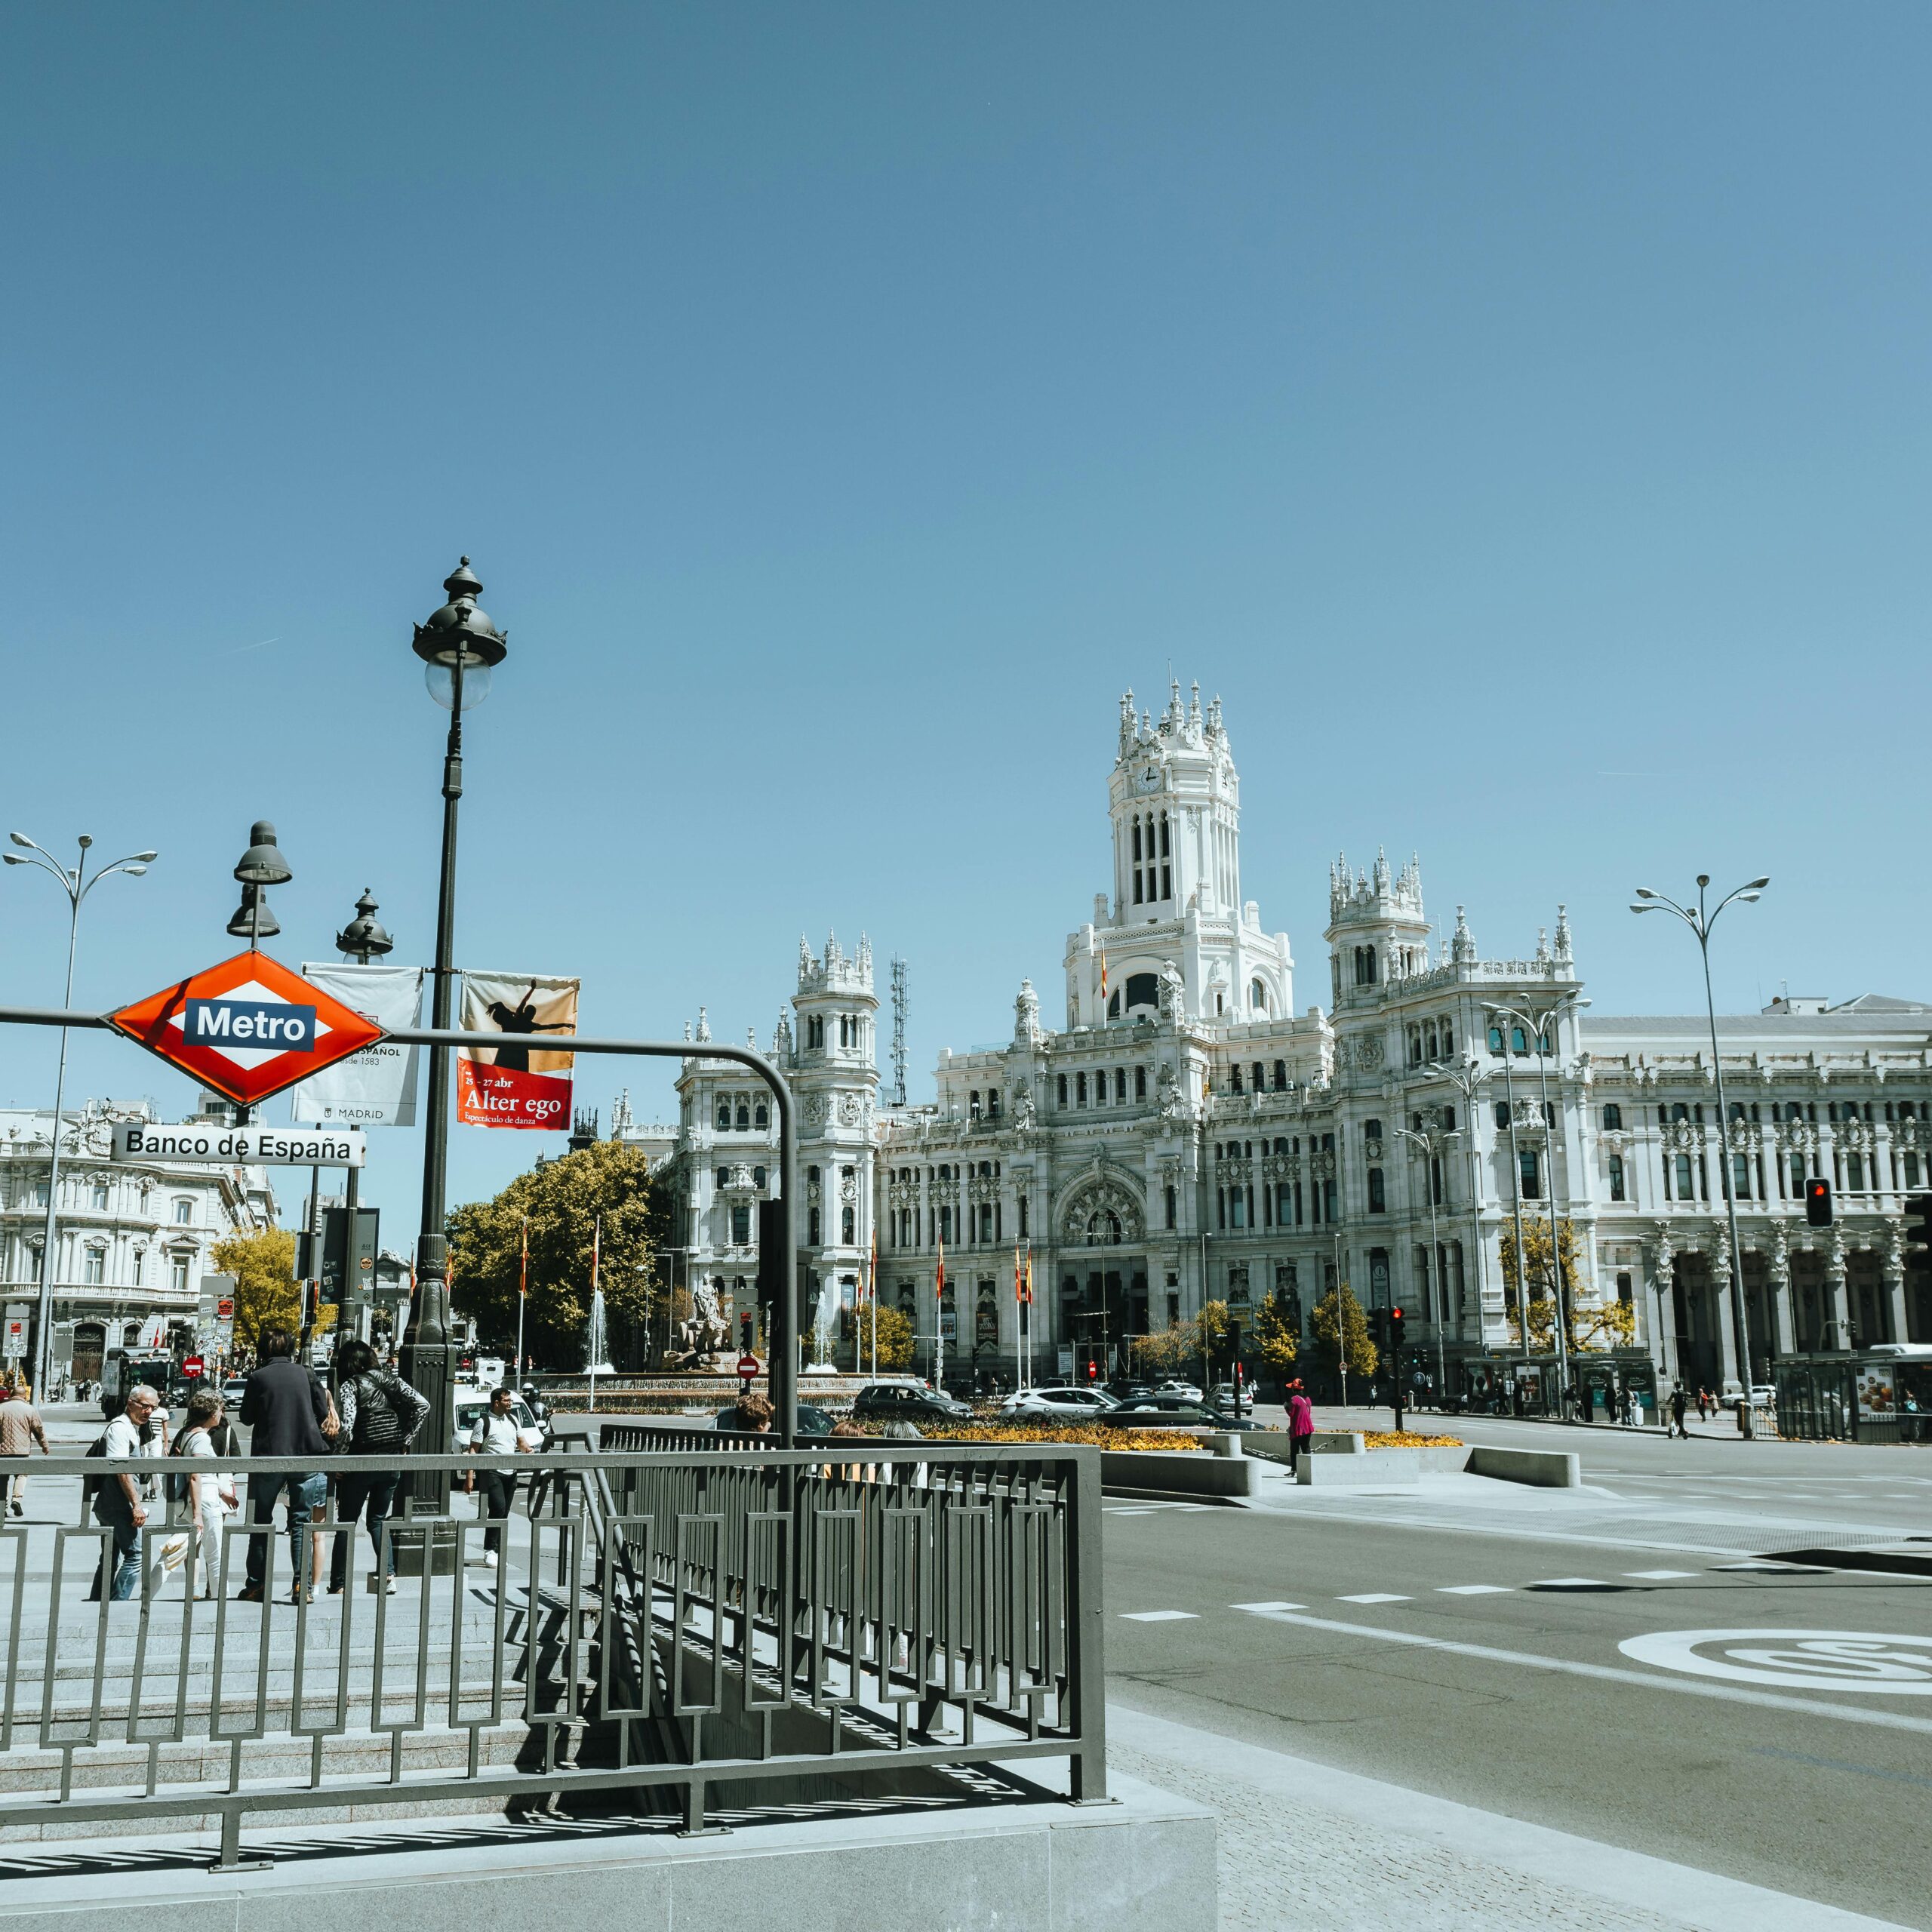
point(495, 1436)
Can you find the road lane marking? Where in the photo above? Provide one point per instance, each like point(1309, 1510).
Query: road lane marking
point(1474, 1590)
point(1869, 1660)
point(1374, 1597)
point(1128, 1512)
point(1267, 1606)
point(1660, 1576)
point(1727, 1694)
point(1570, 1584)
point(1160, 1615)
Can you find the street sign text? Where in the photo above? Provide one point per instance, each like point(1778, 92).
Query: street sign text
point(243, 1146)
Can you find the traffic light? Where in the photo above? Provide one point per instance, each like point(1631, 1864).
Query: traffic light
point(745, 1332)
point(1818, 1203)
point(1918, 1227)
point(1395, 1328)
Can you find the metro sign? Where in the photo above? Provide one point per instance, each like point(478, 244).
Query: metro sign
point(248, 1028)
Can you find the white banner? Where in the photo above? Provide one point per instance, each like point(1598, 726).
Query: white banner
point(376, 1087)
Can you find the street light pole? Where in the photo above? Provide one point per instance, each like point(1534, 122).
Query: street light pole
point(1516, 1201)
point(459, 647)
point(1700, 923)
point(77, 886)
point(1466, 1082)
point(1432, 1141)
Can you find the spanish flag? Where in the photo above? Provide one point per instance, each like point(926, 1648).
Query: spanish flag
point(1104, 976)
point(939, 1280)
point(523, 1268)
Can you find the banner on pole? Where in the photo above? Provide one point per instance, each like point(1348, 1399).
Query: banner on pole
point(518, 1084)
point(376, 1087)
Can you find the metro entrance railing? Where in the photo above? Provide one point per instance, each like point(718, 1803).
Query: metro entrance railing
point(686, 1622)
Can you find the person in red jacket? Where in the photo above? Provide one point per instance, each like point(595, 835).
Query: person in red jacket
point(1301, 1425)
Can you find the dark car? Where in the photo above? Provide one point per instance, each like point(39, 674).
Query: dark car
point(902, 1401)
point(1171, 1412)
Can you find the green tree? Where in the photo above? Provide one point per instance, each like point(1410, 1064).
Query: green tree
point(562, 1203)
point(1337, 1329)
point(895, 1337)
point(1275, 1336)
point(266, 1296)
point(1608, 1325)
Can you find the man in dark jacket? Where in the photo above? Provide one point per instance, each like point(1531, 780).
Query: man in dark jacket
point(284, 1408)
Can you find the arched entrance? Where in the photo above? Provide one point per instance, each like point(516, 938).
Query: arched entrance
point(1103, 1274)
point(1700, 1322)
point(90, 1349)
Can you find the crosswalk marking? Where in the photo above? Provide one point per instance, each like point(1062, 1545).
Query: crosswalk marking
point(1660, 1576)
point(1569, 1583)
point(1374, 1596)
point(1267, 1606)
point(1160, 1616)
point(1474, 1590)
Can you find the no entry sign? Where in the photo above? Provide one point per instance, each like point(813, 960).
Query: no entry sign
point(247, 1027)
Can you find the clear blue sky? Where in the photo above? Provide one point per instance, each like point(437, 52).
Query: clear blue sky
point(1518, 414)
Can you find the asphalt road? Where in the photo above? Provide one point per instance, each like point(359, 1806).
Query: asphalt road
point(1485, 1664)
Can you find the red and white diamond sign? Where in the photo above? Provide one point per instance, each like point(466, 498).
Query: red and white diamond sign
point(248, 1028)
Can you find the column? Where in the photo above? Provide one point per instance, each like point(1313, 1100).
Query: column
point(1727, 1323)
point(1777, 1281)
point(1893, 1254)
point(1838, 1333)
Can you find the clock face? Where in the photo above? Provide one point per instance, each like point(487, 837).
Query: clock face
point(1150, 778)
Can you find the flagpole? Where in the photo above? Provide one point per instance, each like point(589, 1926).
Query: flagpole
point(522, 1295)
point(872, 1288)
point(596, 1243)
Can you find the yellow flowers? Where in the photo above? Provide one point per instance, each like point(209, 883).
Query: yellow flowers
point(1093, 1435)
point(1407, 1438)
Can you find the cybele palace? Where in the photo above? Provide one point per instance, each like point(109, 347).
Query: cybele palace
point(1185, 1134)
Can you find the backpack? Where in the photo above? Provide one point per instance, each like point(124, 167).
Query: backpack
point(178, 1491)
point(92, 1486)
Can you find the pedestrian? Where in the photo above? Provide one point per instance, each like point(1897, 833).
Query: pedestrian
point(288, 1412)
point(379, 1417)
point(750, 1414)
point(19, 1429)
point(1678, 1404)
point(211, 1498)
point(497, 1436)
point(120, 1505)
point(1301, 1425)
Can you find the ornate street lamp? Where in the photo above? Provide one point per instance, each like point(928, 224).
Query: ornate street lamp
point(77, 885)
point(459, 647)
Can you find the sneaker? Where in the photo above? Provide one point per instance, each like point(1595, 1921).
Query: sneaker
point(17, 1508)
point(490, 1558)
point(389, 1587)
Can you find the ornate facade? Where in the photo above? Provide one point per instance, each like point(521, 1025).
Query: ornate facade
point(1184, 1135)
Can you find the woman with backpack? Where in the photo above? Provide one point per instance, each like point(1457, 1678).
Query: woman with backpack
point(211, 1498)
point(379, 1416)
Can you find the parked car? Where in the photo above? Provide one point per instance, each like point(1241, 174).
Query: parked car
point(1172, 1412)
point(469, 1404)
point(894, 1401)
point(1235, 1397)
point(1173, 1385)
point(1086, 1402)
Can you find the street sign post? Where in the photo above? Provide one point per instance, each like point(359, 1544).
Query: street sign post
point(748, 1368)
point(247, 1027)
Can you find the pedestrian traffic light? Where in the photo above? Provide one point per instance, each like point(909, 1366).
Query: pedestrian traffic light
point(1818, 1203)
point(1918, 1226)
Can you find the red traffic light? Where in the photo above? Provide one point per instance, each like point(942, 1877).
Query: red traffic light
point(1818, 1203)
point(1396, 1314)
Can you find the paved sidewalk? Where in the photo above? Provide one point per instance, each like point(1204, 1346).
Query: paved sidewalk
point(1301, 1844)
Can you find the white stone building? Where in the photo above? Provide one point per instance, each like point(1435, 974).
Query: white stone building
point(1184, 1135)
point(133, 1240)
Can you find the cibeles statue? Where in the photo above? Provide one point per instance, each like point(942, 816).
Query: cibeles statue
point(706, 1332)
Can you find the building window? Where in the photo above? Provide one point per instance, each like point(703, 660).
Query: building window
point(1257, 996)
point(1496, 1039)
point(1234, 1079)
point(972, 1105)
point(1613, 1118)
point(744, 1118)
point(1527, 1161)
point(741, 1223)
point(1168, 1200)
point(758, 1176)
point(1080, 1090)
point(846, 1217)
point(1140, 1083)
point(1617, 1178)
point(1686, 1186)
point(100, 1195)
point(177, 1274)
point(94, 1268)
point(1519, 1042)
point(724, 1177)
point(1061, 1091)
point(761, 1116)
point(1854, 1172)
point(1502, 1116)
point(1280, 1076)
point(184, 1214)
point(1740, 1177)
point(815, 1031)
point(1377, 1201)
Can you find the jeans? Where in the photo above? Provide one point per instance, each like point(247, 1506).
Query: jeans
point(355, 1497)
point(498, 1491)
point(306, 1494)
point(127, 1551)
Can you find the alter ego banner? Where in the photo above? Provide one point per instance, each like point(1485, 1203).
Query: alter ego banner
point(518, 1084)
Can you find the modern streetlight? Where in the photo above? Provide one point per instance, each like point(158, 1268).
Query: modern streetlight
point(1539, 1027)
point(261, 866)
point(1700, 922)
point(459, 647)
point(1432, 1141)
point(77, 885)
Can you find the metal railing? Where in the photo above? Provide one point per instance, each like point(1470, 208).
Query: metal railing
point(688, 1621)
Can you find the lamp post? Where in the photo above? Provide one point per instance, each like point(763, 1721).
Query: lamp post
point(364, 939)
point(1467, 1081)
point(1700, 922)
point(1539, 1027)
point(1432, 1141)
point(459, 647)
point(1516, 1202)
point(77, 885)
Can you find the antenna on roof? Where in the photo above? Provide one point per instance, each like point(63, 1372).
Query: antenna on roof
point(898, 1032)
